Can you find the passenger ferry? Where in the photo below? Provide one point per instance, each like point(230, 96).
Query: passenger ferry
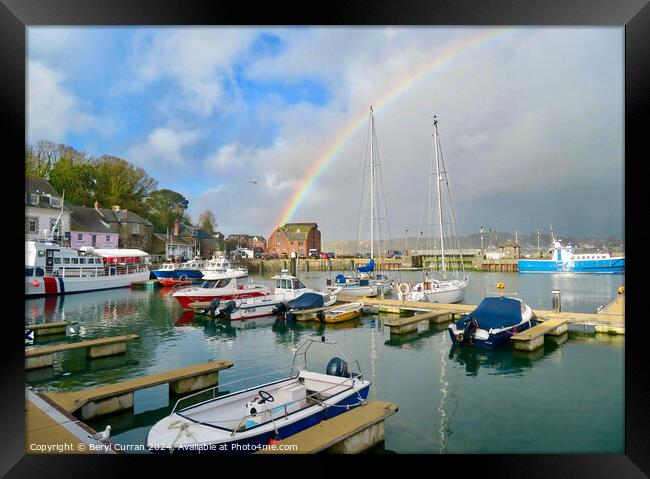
point(564, 260)
point(51, 269)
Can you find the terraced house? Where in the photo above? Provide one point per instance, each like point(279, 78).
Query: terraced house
point(298, 237)
point(42, 207)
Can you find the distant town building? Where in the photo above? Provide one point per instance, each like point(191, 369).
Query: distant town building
point(509, 249)
point(256, 243)
point(42, 208)
point(133, 230)
point(204, 243)
point(88, 228)
point(298, 237)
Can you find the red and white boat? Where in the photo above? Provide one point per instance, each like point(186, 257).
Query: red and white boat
point(222, 286)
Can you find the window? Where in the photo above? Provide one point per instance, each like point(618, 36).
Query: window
point(74, 260)
point(80, 237)
point(33, 198)
point(57, 260)
point(31, 225)
point(108, 239)
point(66, 260)
point(136, 228)
point(82, 260)
point(56, 202)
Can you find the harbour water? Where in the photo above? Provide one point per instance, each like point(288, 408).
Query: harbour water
point(564, 398)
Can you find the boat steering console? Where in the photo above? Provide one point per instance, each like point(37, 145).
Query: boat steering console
point(266, 397)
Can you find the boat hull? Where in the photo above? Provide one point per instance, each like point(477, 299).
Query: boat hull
point(494, 340)
point(609, 265)
point(253, 443)
point(51, 286)
point(185, 301)
point(163, 274)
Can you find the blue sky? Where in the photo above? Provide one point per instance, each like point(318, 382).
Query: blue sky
point(532, 124)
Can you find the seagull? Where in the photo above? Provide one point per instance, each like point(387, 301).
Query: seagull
point(102, 436)
point(253, 182)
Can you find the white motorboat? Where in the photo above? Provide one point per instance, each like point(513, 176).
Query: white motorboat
point(251, 418)
point(221, 286)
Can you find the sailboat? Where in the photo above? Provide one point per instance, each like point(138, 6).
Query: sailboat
point(432, 289)
point(363, 281)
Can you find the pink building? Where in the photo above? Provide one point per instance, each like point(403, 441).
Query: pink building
point(89, 229)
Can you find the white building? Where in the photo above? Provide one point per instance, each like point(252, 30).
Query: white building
point(42, 208)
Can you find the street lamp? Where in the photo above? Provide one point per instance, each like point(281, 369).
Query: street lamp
point(406, 242)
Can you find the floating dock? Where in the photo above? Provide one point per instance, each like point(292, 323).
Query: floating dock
point(115, 397)
point(97, 348)
point(352, 432)
point(148, 284)
point(49, 429)
point(45, 329)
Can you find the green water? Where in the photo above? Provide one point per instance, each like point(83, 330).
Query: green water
point(565, 397)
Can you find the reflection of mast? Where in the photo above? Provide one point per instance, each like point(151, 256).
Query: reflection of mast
point(444, 420)
point(373, 352)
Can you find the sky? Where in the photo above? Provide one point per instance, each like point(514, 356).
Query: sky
point(267, 125)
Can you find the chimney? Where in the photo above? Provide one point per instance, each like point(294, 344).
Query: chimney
point(177, 227)
point(96, 205)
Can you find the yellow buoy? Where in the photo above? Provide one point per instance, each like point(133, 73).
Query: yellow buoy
point(500, 285)
point(621, 290)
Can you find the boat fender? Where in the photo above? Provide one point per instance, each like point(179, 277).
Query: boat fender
point(35, 284)
point(337, 367)
point(273, 441)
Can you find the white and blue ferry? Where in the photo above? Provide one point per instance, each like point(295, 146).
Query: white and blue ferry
point(565, 260)
point(249, 419)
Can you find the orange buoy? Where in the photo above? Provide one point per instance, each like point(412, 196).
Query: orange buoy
point(500, 285)
point(35, 284)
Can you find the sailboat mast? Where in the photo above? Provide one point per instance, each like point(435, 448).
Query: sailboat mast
point(442, 244)
point(372, 185)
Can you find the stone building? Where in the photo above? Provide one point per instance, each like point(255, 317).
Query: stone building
point(298, 237)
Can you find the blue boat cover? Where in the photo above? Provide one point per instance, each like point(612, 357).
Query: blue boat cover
point(367, 268)
point(340, 278)
point(494, 313)
point(306, 301)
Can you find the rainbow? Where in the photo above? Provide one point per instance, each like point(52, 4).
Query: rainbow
point(440, 59)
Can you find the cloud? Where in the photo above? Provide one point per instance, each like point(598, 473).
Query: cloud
point(164, 145)
point(53, 110)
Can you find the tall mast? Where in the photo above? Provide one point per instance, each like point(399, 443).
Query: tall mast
point(372, 185)
point(442, 244)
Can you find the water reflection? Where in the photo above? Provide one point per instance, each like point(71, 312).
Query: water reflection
point(504, 360)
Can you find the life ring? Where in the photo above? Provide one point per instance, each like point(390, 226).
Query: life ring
point(500, 285)
point(404, 288)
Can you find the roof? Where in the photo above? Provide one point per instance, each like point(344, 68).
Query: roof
point(174, 239)
point(122, 216)
point(119, 253)
point(195, 232)
point(83, 218)
point(297, 231)
point(44, 190)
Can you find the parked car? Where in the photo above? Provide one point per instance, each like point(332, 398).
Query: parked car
point(284, 255)
point(274, 256)
point(265, 256)
point(366, 255)
point(324, 255)
point(394, 254)
point(313, 253)
point(331, 254)
point(301, 254)
point(258, 255)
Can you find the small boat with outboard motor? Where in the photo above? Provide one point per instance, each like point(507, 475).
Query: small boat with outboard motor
point(263, 412)
point(289, 293)
point(493, 322)
point(342, 313)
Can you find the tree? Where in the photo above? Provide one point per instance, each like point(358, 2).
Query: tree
point(41, 157)
point(207, 221)
point(164, 208)
point(121, 183)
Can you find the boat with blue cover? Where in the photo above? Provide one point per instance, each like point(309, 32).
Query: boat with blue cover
point(493, 322)
point(565, 260)
point(249, 419)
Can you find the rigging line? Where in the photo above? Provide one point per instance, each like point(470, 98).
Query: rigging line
point(451, 207)
point(364, 149)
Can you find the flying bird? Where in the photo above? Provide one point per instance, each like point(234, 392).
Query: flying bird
point(102, 436)
point(253, 182)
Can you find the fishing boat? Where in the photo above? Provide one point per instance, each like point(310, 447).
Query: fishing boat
point(166, 270)
point(222, 287)
point(221, 264)
point(492, 323)
point(565, 260)
point(362, 281)
point(441, 289)
point(190, 269)
point(343, 313)
point(52, 269)
point(258, 414)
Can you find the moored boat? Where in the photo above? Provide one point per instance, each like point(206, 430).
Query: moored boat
point(342, 313)
point(565, 260)
point(492, 323)
point(221, 287)
point(251, 418)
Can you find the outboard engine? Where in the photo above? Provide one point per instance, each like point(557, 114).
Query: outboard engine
point(229, 307)
point(280, 309)
point(337, 367)
point(212, 307)
point(470, 331)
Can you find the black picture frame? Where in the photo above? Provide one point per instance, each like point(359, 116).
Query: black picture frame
point(633, 15)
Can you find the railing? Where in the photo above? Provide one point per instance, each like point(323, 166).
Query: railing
point(105, 270)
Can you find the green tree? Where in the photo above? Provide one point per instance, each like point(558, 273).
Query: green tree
point(207, 221)
point(164, 208)
point(121, 183)
point(76, 178)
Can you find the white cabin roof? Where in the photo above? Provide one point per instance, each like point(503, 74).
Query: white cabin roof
point(119, 253)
